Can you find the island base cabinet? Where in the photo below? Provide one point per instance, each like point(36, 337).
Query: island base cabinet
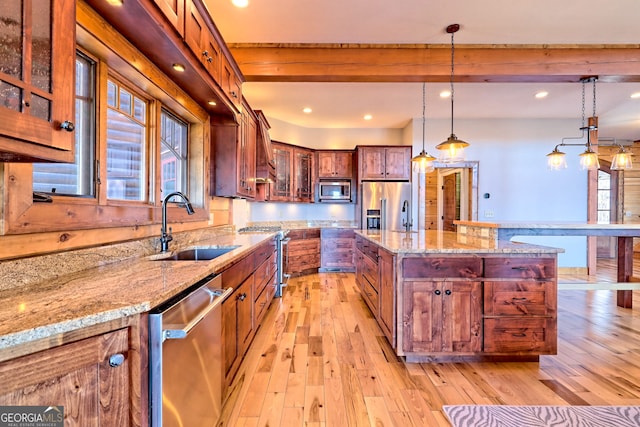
point(77, 376)
point(442, 317)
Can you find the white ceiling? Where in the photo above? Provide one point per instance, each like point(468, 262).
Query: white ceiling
point(392, 105)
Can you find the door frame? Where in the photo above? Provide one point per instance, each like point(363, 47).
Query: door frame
point(468, 188)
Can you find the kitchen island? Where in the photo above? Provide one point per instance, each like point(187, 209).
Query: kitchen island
point(442, 295)
point(624, 233)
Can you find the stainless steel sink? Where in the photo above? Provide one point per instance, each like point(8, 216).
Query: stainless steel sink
point(197, 254)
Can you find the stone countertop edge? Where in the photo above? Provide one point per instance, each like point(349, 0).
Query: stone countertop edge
point(448, 242)
point(105, 293)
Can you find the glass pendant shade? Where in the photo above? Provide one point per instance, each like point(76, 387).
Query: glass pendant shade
point(556, 160)
point(589, 160)
point(452, 150)
point(423, 162)
point(621, 160)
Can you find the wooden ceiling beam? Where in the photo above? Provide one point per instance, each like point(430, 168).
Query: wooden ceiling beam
point(432, 63)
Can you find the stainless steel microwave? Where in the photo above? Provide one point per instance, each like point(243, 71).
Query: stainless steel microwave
point(334, 191)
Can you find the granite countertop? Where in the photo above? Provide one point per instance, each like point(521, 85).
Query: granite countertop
point(432, 241)
point(106, 292)
point(569, 225)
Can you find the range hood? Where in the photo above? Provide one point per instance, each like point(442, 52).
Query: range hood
point(265, 166)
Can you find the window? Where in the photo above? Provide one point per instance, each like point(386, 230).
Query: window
point(604, 197)
point(126, 143)
point(173, 153)
point(75, 179)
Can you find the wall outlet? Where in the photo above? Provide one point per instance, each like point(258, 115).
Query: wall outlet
point(489, 214)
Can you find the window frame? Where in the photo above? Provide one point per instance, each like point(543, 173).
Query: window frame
point(66, 213)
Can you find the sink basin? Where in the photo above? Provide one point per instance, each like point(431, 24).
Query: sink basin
point(197, 254)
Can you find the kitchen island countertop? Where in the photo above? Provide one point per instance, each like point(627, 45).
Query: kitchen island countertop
point(432, 241)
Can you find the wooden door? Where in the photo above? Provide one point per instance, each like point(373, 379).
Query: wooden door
point(244, 300)
point(422, 319)
point(449, 202)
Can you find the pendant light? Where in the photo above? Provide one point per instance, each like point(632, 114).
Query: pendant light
point(621, 160)
point(452, 148)
point(423, 162)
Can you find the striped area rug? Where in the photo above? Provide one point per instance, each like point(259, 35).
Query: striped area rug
point(542, 416)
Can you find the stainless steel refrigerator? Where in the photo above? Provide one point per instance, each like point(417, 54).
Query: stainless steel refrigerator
point(386, 205)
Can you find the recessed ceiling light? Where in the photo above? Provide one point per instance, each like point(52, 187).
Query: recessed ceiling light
point(212, 102)
point(445, 94)
point(240, 3)
point(368, 117)
point(115, 2)
point(307, 110)
point(178, 67)
point(542, 94)
point(635, 95)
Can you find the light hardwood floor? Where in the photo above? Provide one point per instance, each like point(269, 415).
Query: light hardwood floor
point(319, 359)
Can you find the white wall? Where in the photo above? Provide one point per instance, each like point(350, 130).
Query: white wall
point(512, 170)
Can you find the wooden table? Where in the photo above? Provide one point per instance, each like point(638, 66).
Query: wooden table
point(624, 232)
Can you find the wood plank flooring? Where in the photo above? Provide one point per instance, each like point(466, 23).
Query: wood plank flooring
point(319, 359)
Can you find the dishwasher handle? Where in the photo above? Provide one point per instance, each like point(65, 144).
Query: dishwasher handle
point(217, 296)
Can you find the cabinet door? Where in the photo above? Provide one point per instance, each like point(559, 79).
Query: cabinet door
point(37, 69)
point(343, 164)
point(372, 161)
point(230, 349)
point(442, 317)
point(398, 163)
point(244, 300)
point(325, 164)
point(303, 180)
point(281, 188)
point(247, 155)
point(77, 376)
point(386, 263)
point(173, 10)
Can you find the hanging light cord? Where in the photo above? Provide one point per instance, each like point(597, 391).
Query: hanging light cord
point(424, 106)
point(451, 79)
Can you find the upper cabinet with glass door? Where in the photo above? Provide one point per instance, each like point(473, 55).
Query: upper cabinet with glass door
point(37, 57)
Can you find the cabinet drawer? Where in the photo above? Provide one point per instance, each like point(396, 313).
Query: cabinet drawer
point(337, 245)
point(262, 275)
point(338, 259)
point(520, 268)
point(370, 272)
point(264, 251)
point(467, 267)
point(370, 295)
point(235, 275)
point(337, 233)
point(519, 298)
point(520, 335)
point(263, 300)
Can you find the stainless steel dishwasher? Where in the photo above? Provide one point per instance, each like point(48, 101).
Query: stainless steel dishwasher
point(185, 357)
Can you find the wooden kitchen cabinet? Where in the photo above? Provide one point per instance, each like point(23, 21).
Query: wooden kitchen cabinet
point(302, 253)
point(303, 175)
point(442, 316)
point(237, 318)
point(337, 250)
point(335, 164)
point(520, 300)
point(79, 377)
point(384, 163)
point(173, 10)
point(197, 35)
point(234, 149)
point(37, 92)
point(231, 81)
point(281, 189)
